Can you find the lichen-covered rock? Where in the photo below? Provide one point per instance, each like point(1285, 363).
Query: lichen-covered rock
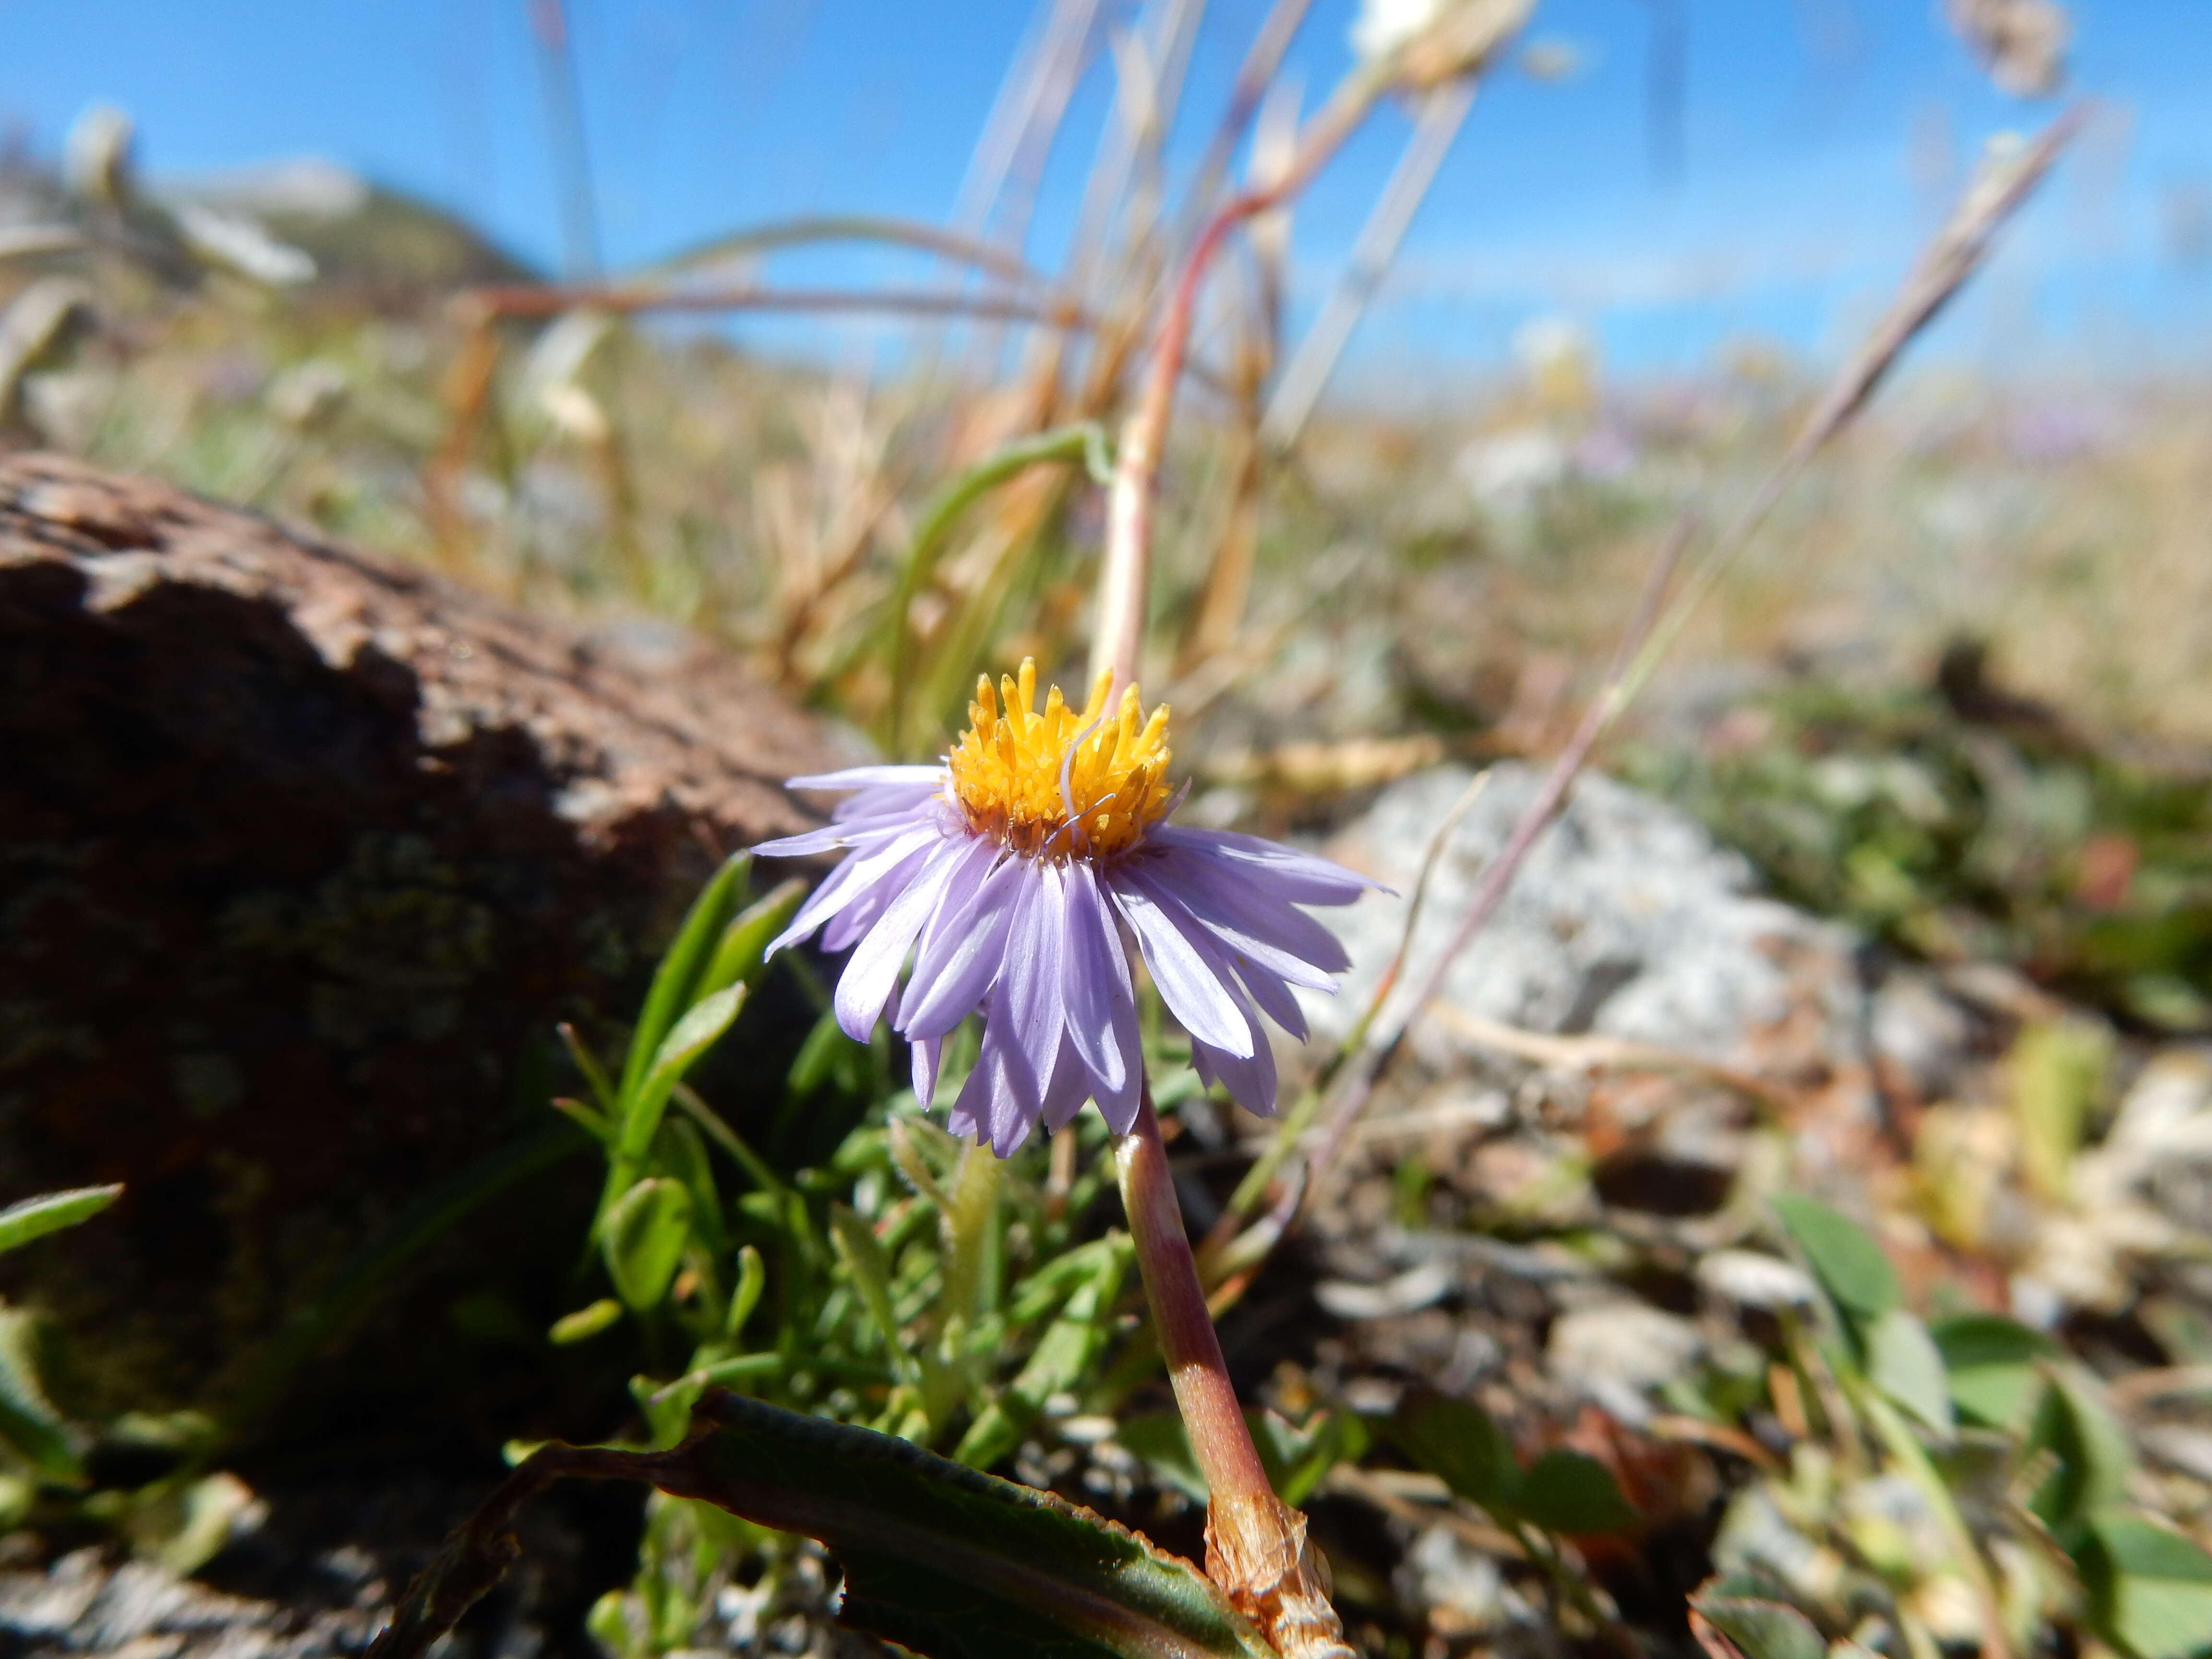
point(302, 854)
point(1627, 920)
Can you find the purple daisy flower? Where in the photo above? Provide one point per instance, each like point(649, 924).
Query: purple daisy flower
point(1019, 872)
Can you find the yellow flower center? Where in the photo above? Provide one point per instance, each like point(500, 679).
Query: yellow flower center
point(1056, 781)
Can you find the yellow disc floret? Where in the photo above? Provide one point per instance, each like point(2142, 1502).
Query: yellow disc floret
point(1056, 781)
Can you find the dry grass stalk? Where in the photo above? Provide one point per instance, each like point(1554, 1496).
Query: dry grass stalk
point(1954, 255)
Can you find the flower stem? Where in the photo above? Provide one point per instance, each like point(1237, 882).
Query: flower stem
point(1203, 1392)
point(1255, 1544)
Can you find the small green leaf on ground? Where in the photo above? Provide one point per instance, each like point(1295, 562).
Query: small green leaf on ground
point(2055, 1072)
point(1564, 1492)
point(1459, 1442)
point(28, 1423)
point(1994, 1368)
point(2150, 1589)
point(1849, 1264)
point(2091, 1448)
point(1757, 1627)
point(1904, 1362)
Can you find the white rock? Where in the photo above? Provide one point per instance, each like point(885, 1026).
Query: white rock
point(1627, 919)
point(1616, 1350)
point(1753, 1280)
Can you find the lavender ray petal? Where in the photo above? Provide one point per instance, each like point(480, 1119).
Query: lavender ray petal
point(1176, 951)
point(1223, 892)
point(1032, 980)
point(829, 838)
point(867, 777)
point(907, 801)
point(1066, 1089)
point(926, 1054)
point(971, 1108)
point(1179, 893)
point(1120, 1110)
point(867, 983)
point(1274, 998)
point(1251, 1079)
point(850, 924)
point(856, 875)
point(1097, 975)
point(1300, 878)
point(955, 916)
point(959, 962)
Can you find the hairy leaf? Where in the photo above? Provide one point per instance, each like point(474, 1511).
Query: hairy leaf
point(953, 1563)
point(947, 1561)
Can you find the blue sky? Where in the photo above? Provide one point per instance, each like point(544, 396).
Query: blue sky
point(1822, 135)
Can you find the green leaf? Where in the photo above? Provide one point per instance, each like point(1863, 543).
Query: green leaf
point(742, 952)
point(680, 965)
point(646, 1232)
point(680, 1154)
point(34, 1218)
point(1904, 1362)
point(1995, 1366)
point(1564, 1492)
point(752, 1278)
point(588, 1068)
point(1295, 1458)
point(1159, 1439)
point(666, 1407)
point(2150, 1591)
point(2093, 1453)
point(953, 1563)
point(699, 1029)
point(591, 1123)
point(1849, 1265)
point(1757, 1627)
point(1299, 1457)
point(2057, 1071)
point(862, 1253)
point(1458, 1441)
point(28, 1422)
point(586, 1322)
point(1064, 1357)
point(825, 1052)
point(941, 1560)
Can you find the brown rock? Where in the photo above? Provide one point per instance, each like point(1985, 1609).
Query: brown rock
point(302, 854)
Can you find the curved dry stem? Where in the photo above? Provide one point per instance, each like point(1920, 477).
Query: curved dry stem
point(1123, 583)
point(1955, 254)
